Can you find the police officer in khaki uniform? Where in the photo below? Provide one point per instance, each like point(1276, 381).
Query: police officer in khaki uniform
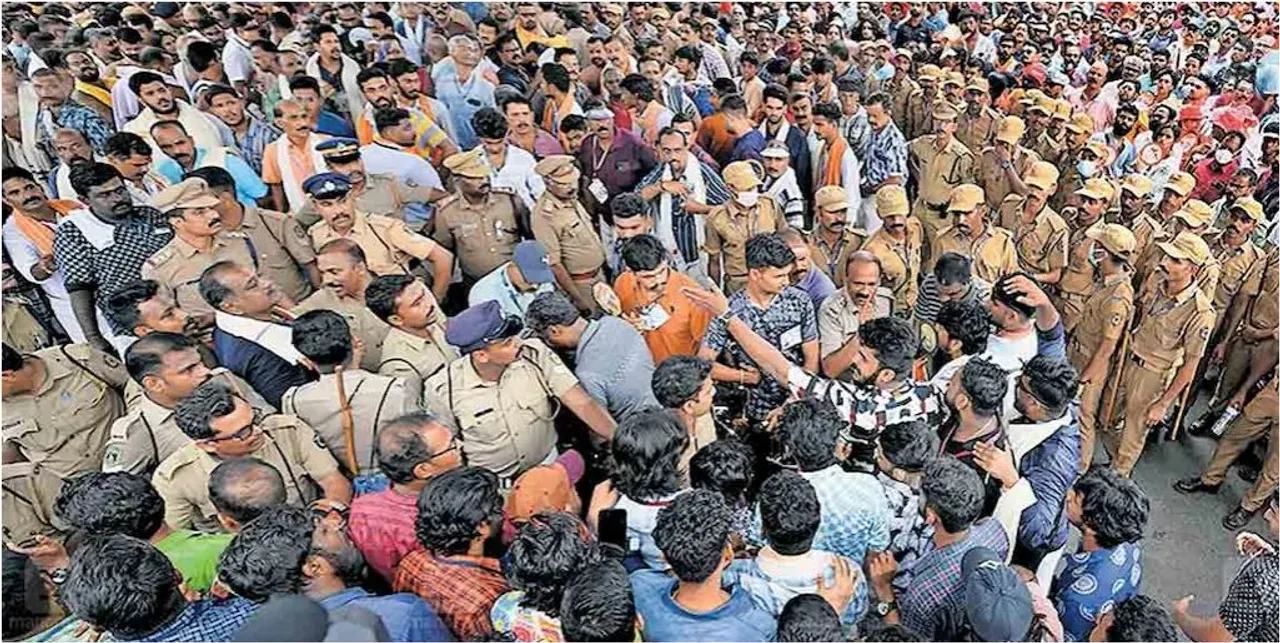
point(746, 214)
point(921, 102)
point(501, 393)
point(345, 277)
point(1039, 234)
point(59, 404)
point(1035, 114)
point(1104, 320)
point(382, 194)
point(1049, 144)
point(899, 87)
point(977, 124)
point(390, 248)
point(223, 426)
point(361, 398)
point(21, 329)
point(897, 244)
point(480, 223)
point(1135, 212)
point(833, 239)
point(1003, 164)
point(860, 300)
point(415, 347)
point(1234, 251)
point(1176, 191)
point(1164, 350)
point(1078, 131)
point(167, 367)
point(1077, 278)
point(198, 242)
point(989, 247)
point(30, 492)
point(1194, 217)
point(564, 228)
point(939, 162)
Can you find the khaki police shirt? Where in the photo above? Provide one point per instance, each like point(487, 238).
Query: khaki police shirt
point(978, 132)
point(1173, 329)
point(1041, 244)
point(993, 253)
point(28, 504)
point(1263, 283)
point(838, 318)
point(22, 331)
point(938, 171)
point(1077, 279)
point(415, 358)
point(374, 400)
point(992, 177)
point(565, 230)
point(506, 426)
point(383, 194)
point(363, 323)
point(1146, 229)
point(730, 225)
point(484, 235)
point(919, 114)
point(64, 425)
point(178, 265)
point(900, 88)
point(388, 244)
point(1234, 264)
point(1105, 316)
point(288, 444)
point(830, 258)
point(283, 249)
point(148, 433)
point(1050, 148)
point(899, 263)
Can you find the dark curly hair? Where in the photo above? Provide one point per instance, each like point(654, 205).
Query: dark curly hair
point(985, 384)
point(1113, 506)
point(1141, 618)
point(789, 512)
point(894, 342)
point(452, 508)
point(692, 532)
point(1052, 382)
point(122, 585)
point(726, 467)
point(599, 605)
point(809, 618)
point(548, 551)
point(768, 251)
point(210, 400)
point(266, 557)
point(646, 455)
point(954, 492)
point(808, 430)
point(489, 123)
point(966, 321)
point(909, 445)
point(100, 503)
point(678, 379)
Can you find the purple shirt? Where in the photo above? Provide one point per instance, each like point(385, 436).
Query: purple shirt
point(817, 285)
point(626, 162)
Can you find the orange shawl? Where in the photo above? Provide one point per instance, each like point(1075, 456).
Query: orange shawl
point(552, 113)
point(39, 233)
point(831, 172)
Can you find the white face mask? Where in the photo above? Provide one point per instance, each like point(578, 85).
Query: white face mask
point(1222, 156)
point(747, 198)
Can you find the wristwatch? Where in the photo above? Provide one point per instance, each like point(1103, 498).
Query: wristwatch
point(883, 608)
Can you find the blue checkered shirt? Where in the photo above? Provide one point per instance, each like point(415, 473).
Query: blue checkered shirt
point(929, 591)
point(73, 115)
point(206, 620)
point(886, 155)
point(254, 142)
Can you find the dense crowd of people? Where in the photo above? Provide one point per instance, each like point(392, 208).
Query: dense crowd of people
point(634, 321)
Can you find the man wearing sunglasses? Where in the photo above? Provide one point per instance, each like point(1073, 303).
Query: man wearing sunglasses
point(223, 426)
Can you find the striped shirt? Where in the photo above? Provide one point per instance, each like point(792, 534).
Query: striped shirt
point(929, 302)
point(886, 155)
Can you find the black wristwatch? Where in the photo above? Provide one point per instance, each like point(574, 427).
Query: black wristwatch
point(883, 608)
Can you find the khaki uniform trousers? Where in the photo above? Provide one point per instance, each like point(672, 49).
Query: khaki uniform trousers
point(1257, 420)
point(1235, 368)
point(1139, 389)
point(1090, 403)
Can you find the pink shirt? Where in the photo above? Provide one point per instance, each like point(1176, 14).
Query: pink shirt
point(381, 526)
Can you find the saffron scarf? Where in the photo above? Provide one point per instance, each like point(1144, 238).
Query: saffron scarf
point(39, 233)
point(831, 171)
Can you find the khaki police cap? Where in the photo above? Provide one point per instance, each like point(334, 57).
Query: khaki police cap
point(1250, 207)
point(1187, 245)
point(966, 197)
point(1045, 105)
point(1031, 97)
point(1181, 183)
point(191, 193)
point(891, 201)
point(930, 73)
point(1097, 189)
point(954, 78)
point(1062, 110)
point(1011, 130)
point(977, 84)
point(943, 111)
point(1137, 185)
point(1015, 95)
point(1114, 237)
point(1080, 123)
point(471, 163)
point(1100, 150)
point(1042, 174)
point(1195, 213)
point(831, 198)
point(558, 167)
point(741, 175)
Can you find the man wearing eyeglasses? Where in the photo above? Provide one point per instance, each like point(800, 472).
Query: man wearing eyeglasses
point(223, 426)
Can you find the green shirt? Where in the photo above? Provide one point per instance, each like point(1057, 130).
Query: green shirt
point(195, 555)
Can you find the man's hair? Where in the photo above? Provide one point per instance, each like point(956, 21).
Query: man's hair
point(726, 467)
point(210, 400)
point(691, 532)
point(1113, 506)
point(489, 123)
point(556, 75)
point(266, 557)
point(140, 78)
point(16, 173)
point(323, 336)
point(640, 86)
point(894, 633)
point(789, 513)
point(216, 178)
point(453, 506)
point(644, 253)
point(775, 91)
point(809, 618)
point(830, 111)
point(689, 53)
point(571, 123)
point(1003, 292)
point(401, 446)
point(768, 251)
point(122, 305)
point(200, 55)
point(244, 488)
point(99, 504)
point(382, 17)
point(953, 491)
point(381, 294)
point(808, 430)
point(678, 379)
point(122, 145)
point(302, 82)
point(985, 384)
point(646, 454)
point(392, 116)
point(952, 268)
point(86, 176)
point(12, 361)
point(169, 124)
point(1052, 381)
point(734, 103)
point(347, 247)
point(146, 356)
point(724, 88)
point(909, 445)
point(894, 342)
point(401, 66)
point(1141, 618)
point(212, 289)
point(821, 65)
point(598, 604)
point(966, 321)
point(514, 99)
point(122, 585)
point(628, 205)
point(550, 309)
point(548, 551)
point(369, 73)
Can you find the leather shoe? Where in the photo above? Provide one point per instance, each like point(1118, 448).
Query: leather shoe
point(1194, 485)
point(1238, 518)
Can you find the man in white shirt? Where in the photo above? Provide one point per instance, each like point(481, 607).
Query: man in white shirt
point(237, 59)
point(509, 166)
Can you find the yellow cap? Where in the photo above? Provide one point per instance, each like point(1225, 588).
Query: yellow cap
point(1031, 97)
point(471, 163)
point(966, 197)
point(831, 198)
point(1250, 207)
point(659, 13)
point(742, 175)
point(1181, 183)
point(1187, 245)
point(185, 195)
point(1080, 123)
point(1062, 110)
point(954, 78)
point(1043, 175)
point(1100, 150)
point(978, 84)
point(1045, 104)
point(1011, 130)
point(891, 201)
point(1114, 237)
point(1137, 185)
point(929, 72)
point(1195, 213)
point(943, 111)
point(558, 167)
point(1097, 189)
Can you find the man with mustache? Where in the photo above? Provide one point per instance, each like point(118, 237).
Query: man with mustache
point(860, 300)
point(897, 245)
point(345, 276)
point(70, 148)
point(1040, 235)
point(991, 248)
point(380, 92)
point(160, 105)
point(1135, 212)
point(184, 156)
point(1078, 275)
point(833, 240)
point(90, 91)
point(650, 294)
point(373, 192)
point(939, 162)
point(57, 110)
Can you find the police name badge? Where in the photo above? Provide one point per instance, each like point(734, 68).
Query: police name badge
point(653, 317)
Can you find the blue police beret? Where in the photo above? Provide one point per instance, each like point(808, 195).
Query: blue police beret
point(327, 185)
point(338, 148)
point(481, 325)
